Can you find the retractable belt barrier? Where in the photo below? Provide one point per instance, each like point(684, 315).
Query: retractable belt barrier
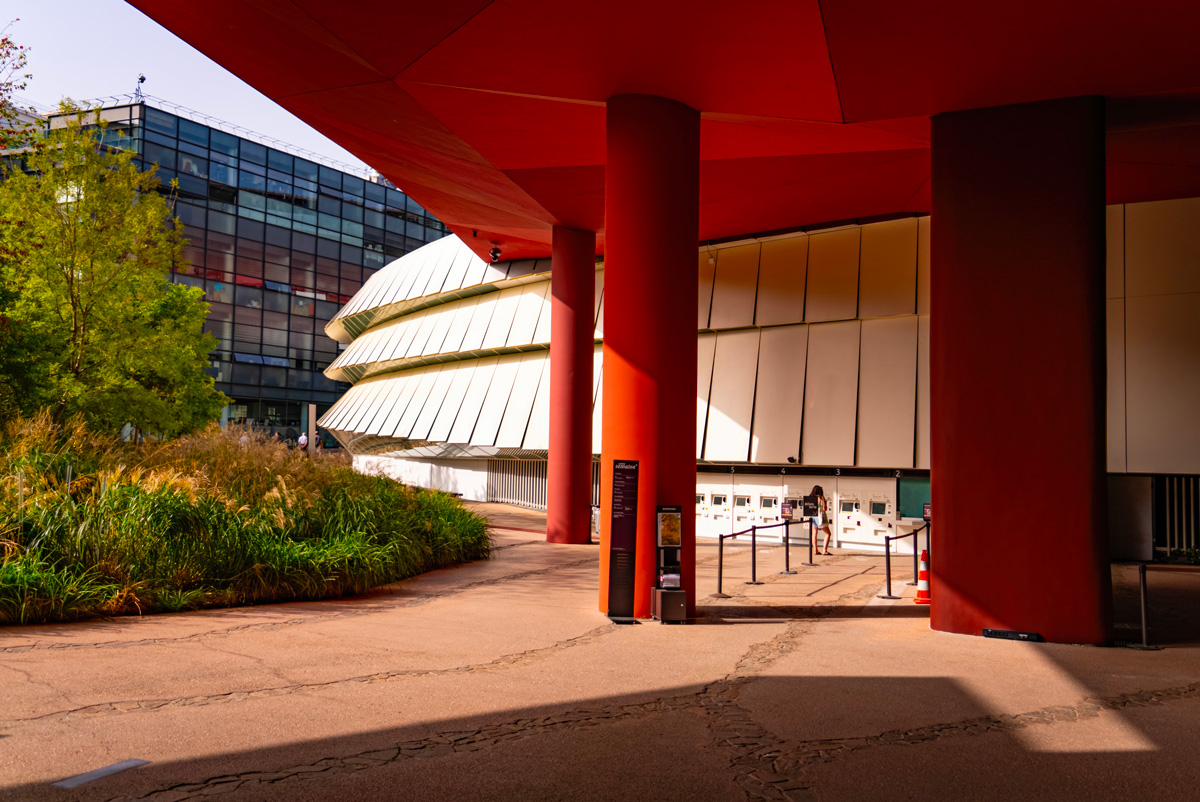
point(753, 532)
point(787, 567)
point(887, 556)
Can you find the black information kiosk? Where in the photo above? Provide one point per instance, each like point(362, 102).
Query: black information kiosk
point(622, 540)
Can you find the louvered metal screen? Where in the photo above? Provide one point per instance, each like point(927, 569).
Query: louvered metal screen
point(517, 481)
point(1177, 512)
point(523, 482)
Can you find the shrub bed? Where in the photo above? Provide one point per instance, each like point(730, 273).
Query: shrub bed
point(91, 527)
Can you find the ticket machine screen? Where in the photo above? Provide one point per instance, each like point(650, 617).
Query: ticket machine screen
point(847, 506)
point(878, 508)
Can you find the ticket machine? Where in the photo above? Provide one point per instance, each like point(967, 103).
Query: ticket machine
point(722, 514)
point(768, 510)
point(866, 512)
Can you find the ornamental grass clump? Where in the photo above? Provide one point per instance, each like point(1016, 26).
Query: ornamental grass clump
point(93, 527)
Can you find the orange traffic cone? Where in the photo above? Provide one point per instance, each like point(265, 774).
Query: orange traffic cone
point(923, 580)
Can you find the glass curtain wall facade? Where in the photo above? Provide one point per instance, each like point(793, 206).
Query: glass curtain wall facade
point(278, 243)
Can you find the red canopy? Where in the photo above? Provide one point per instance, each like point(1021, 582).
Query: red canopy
point(491, 113)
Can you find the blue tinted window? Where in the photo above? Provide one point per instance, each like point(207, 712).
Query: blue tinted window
point(306, 170)
point(226, 175)
point(161, 122)
point(331, 177)
point(251, 181)
point(253, 152)
point(163, 157)
point(224, 143)
point(193, 132)
point(279, 161)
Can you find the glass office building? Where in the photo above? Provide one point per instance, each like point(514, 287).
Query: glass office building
point(278, 243)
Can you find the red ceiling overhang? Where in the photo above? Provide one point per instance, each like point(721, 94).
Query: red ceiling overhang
point(491, 114)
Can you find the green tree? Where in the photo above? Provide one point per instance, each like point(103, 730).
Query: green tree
point(16, 127)
point(86, 247)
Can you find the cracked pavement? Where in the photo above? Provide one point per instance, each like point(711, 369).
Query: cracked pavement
point(498, 680)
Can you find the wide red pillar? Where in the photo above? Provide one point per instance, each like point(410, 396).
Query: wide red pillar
point(572, 333)
point(651, 232)
point(1018, 371)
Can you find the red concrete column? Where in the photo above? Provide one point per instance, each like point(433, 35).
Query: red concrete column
point(651, 231)
point(572, 310)
point(1018, 371)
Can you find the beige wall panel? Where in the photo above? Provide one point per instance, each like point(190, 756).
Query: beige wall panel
point(708, 269)
point(502, 317)
point(461, 375)
point(365, 408)
point(1115, 348)
point(445, 317)
point(1162, 383)
point(832, 292)
point(598, 295)
point(731, 402)
point(477, 390)
point(475, 273)
point(427, 320)
point(888, 273)
point(831, 394)
point(463, 312)
point(433, 404)
point(597, 410)
point(922, 439)
point(887, 392)
point(492, 411)
point(338, 412)
point(412, 326)
point(1114, 250)
point(705, 347)
point(537, 434)
point(541, 332)
point(1162, 247)
point(394, 334)
point(381, 405)
point(480, 320)
point(597, 386)
point(408, 381)
point(779, 399)
point(441, 270)
point(529, 309)
point(426, 274)
point(923, 265)
point(734, 287)
point(417, 404)
point(520, 401)
point(458, 271)
point(368, 347)
point(599, 333)
point(781, 275)
point(493, 272)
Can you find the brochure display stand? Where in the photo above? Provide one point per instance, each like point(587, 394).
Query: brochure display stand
point(668, 601)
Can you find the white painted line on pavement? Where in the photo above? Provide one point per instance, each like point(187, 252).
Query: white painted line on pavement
point(96, 774)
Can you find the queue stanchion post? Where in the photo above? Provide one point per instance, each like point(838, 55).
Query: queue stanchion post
point(787, 548)
point(754, 556)
point(887, 568)
point(810, 562)
point(1144, 594)
point(916, 536)
point(720, 594)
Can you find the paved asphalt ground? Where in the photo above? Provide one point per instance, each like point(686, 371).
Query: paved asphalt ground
point(499, 680)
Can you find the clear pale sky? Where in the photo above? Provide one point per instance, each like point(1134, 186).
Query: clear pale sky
point(87, 49)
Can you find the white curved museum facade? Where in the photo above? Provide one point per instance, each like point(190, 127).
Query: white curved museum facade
point(813, 368)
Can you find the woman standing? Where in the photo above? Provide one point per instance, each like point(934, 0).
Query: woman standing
point(821, 519)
